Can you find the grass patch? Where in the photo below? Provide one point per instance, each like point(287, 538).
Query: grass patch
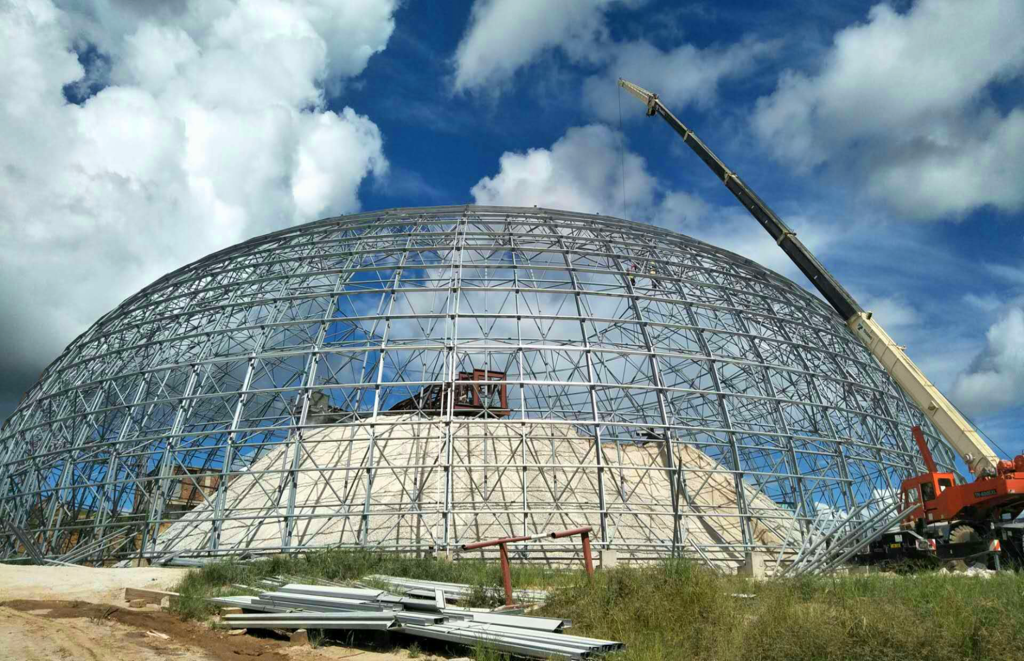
point(678, 610)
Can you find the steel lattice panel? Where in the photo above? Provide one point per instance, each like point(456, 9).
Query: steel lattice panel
point(680, 399)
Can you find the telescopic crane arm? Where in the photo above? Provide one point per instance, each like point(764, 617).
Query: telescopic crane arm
point(964, 438)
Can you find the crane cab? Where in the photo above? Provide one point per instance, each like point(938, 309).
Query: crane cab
point(928, 490)
point(942, 500)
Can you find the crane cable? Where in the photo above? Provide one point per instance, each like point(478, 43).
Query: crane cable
point(979, 430)
point(622, 154)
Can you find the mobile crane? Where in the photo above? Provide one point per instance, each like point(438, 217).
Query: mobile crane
point(954, 520)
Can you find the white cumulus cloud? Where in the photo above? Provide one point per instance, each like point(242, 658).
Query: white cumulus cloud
point(582, 171)
point(685, 75)
point(995, 379)
point(209, 125)
point(903, 101)
point(505, 35)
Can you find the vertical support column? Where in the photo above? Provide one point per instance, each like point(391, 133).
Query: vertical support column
point(741, 501)
point(659, 390)
point(371, 451)
point(452, 376)
point(229, 454)
point(297, 445)
point(523, 439)
point(794, 465)
point(68, 469)
point(161, 489)
point(34, 481)
point(591, 381)
point(844, 472)
point(104, 511)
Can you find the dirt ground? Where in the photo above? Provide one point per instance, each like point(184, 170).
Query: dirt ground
point(79, 613)
point(97, 586)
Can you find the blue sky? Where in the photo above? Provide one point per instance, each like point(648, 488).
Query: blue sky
point(138, 136)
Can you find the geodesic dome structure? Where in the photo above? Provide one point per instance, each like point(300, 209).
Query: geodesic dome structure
point(416, 379)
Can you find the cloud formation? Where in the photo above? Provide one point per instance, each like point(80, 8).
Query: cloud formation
point(682, 76)
point(202, 123)
point(505, 36)
point(582, 171)
point(904, 103)
point(995, 379)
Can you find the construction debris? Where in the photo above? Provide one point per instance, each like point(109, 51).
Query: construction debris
point(150, 596)
point(974, 570)
point(301, 607)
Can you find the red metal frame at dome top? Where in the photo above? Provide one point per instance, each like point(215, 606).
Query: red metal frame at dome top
point(468, 397)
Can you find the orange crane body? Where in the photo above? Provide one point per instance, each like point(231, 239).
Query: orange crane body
point(944, 500)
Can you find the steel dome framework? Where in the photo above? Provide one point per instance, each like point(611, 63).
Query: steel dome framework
point(679, 398)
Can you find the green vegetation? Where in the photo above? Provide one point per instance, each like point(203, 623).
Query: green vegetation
point(677, 610)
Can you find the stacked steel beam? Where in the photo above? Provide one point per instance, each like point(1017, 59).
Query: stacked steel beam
point(412, 586)
point(299, 606)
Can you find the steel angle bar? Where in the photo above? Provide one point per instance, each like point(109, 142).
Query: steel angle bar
point(406, 617)
point(248, 603)
point(83, 550)
point(558, 638)
point(833, 564)
point(869, 523)
point(416, 604)
point(240, 600)
point(808, 552)
point(514, 621)
point(419, 593)
point(383, 615)
point(311, 603)
point(471, 638)
point(856, 534)
point(453, 588)
point(331, 591)
point(400, 616)
point(547, 640)
point(354, 625)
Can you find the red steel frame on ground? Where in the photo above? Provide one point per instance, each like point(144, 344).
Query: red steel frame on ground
point(506, 574)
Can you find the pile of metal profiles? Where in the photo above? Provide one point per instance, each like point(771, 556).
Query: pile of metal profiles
point(298, 606)
point(414, 587)
point(517, 641)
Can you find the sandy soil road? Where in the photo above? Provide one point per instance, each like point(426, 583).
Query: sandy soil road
point(71, 613)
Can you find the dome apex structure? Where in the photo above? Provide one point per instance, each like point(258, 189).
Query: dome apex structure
point(418, 379)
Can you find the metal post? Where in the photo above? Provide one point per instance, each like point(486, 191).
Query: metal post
point(506, 574)
point(588, 560)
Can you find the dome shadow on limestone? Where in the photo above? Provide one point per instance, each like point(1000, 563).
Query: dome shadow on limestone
point(416, 379)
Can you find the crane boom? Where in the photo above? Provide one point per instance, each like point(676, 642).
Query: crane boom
point(976, 453)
